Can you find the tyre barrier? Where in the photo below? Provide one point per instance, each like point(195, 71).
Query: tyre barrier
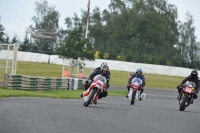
point(22, 82)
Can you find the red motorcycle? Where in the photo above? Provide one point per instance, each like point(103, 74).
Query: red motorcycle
point(186, 96)
point(135, 89)
point(91, 94)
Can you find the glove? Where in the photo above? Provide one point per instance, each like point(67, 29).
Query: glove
point(104, 89)
point(107, 86)
point(179, 86)
point(194, 92)
point(127, 86)
point(89, 82)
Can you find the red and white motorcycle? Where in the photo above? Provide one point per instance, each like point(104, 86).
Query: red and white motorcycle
point(186, 96)
point(135, 89)
point(91, 94)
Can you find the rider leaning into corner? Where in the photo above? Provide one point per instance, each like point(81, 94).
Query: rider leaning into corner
point(103, 70)
point(138, 74)
point(193, 77)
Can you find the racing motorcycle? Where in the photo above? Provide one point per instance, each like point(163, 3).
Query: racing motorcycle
point(91, 94)
point(186, 96)
point(135, 89)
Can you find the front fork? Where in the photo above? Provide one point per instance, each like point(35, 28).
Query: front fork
point(138, 93)
point(96, 95)
point(190, 97)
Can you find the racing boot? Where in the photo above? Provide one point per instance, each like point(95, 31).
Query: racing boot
point(178, 98)
point(140, 97)
point(141, 94)
point(81, 95)
point(192, 101)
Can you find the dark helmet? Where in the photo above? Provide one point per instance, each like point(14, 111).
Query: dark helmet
point(104, 70)
point(194, 74)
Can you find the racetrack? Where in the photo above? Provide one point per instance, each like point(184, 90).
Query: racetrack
point(158, 113)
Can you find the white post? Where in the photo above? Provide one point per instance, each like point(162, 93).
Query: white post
point(75, 84)
point(16, 58)
point(77, 68)
point(86, 30)
point(13, 59)
point(14, 63)
point(88, 13)
point(63, 68)
point(92, 67)
point(6, 71)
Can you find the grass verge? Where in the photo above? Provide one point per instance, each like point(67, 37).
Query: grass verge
point(65, 94)
point(117, 77)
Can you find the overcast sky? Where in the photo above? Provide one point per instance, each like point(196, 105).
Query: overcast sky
point(16, 14)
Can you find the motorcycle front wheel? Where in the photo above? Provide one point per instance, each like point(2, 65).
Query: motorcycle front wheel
point(182, 103)
point(133, 97)
point(91, 97)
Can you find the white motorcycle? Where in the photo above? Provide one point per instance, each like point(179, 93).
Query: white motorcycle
point(135, 90)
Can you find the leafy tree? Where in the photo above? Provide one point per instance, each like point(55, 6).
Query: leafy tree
point(7, 39)
point(145, 31)
point(26, 45)
point(46, 20)
point(187, 44)
point(2, 39)
point(61, 35)
point(76, 46)
point(15, 40)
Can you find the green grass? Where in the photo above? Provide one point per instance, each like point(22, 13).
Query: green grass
point(52, 70)
point(2, 70)
point(44, 69)
point(49, 94)
point(65, 94)
point(152, 80)
point(117, 77)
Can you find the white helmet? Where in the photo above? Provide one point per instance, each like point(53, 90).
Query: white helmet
point(103, 64)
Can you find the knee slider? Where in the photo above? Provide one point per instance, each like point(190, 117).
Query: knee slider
point(105, 93)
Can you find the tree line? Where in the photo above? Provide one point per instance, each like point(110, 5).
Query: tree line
point(143, 31)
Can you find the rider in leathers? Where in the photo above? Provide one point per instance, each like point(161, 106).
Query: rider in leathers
point(139, 75)
point(104, 70)
point(194, 78)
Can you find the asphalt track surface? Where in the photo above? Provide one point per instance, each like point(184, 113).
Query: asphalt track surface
point(158, 113)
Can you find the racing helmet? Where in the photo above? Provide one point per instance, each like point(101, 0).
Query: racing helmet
point(139, 71)
point(194, 74)
point(104, 70)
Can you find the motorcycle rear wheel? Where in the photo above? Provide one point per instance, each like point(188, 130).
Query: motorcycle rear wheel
point(182, 103)
point(133, 97)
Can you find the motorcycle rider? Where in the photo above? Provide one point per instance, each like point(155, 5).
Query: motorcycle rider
point(98, 70)
point(193, 77)
point(103, 70)
point(138, 74)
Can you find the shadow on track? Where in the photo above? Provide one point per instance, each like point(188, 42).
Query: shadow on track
point(92, 106)
point(186, 111)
